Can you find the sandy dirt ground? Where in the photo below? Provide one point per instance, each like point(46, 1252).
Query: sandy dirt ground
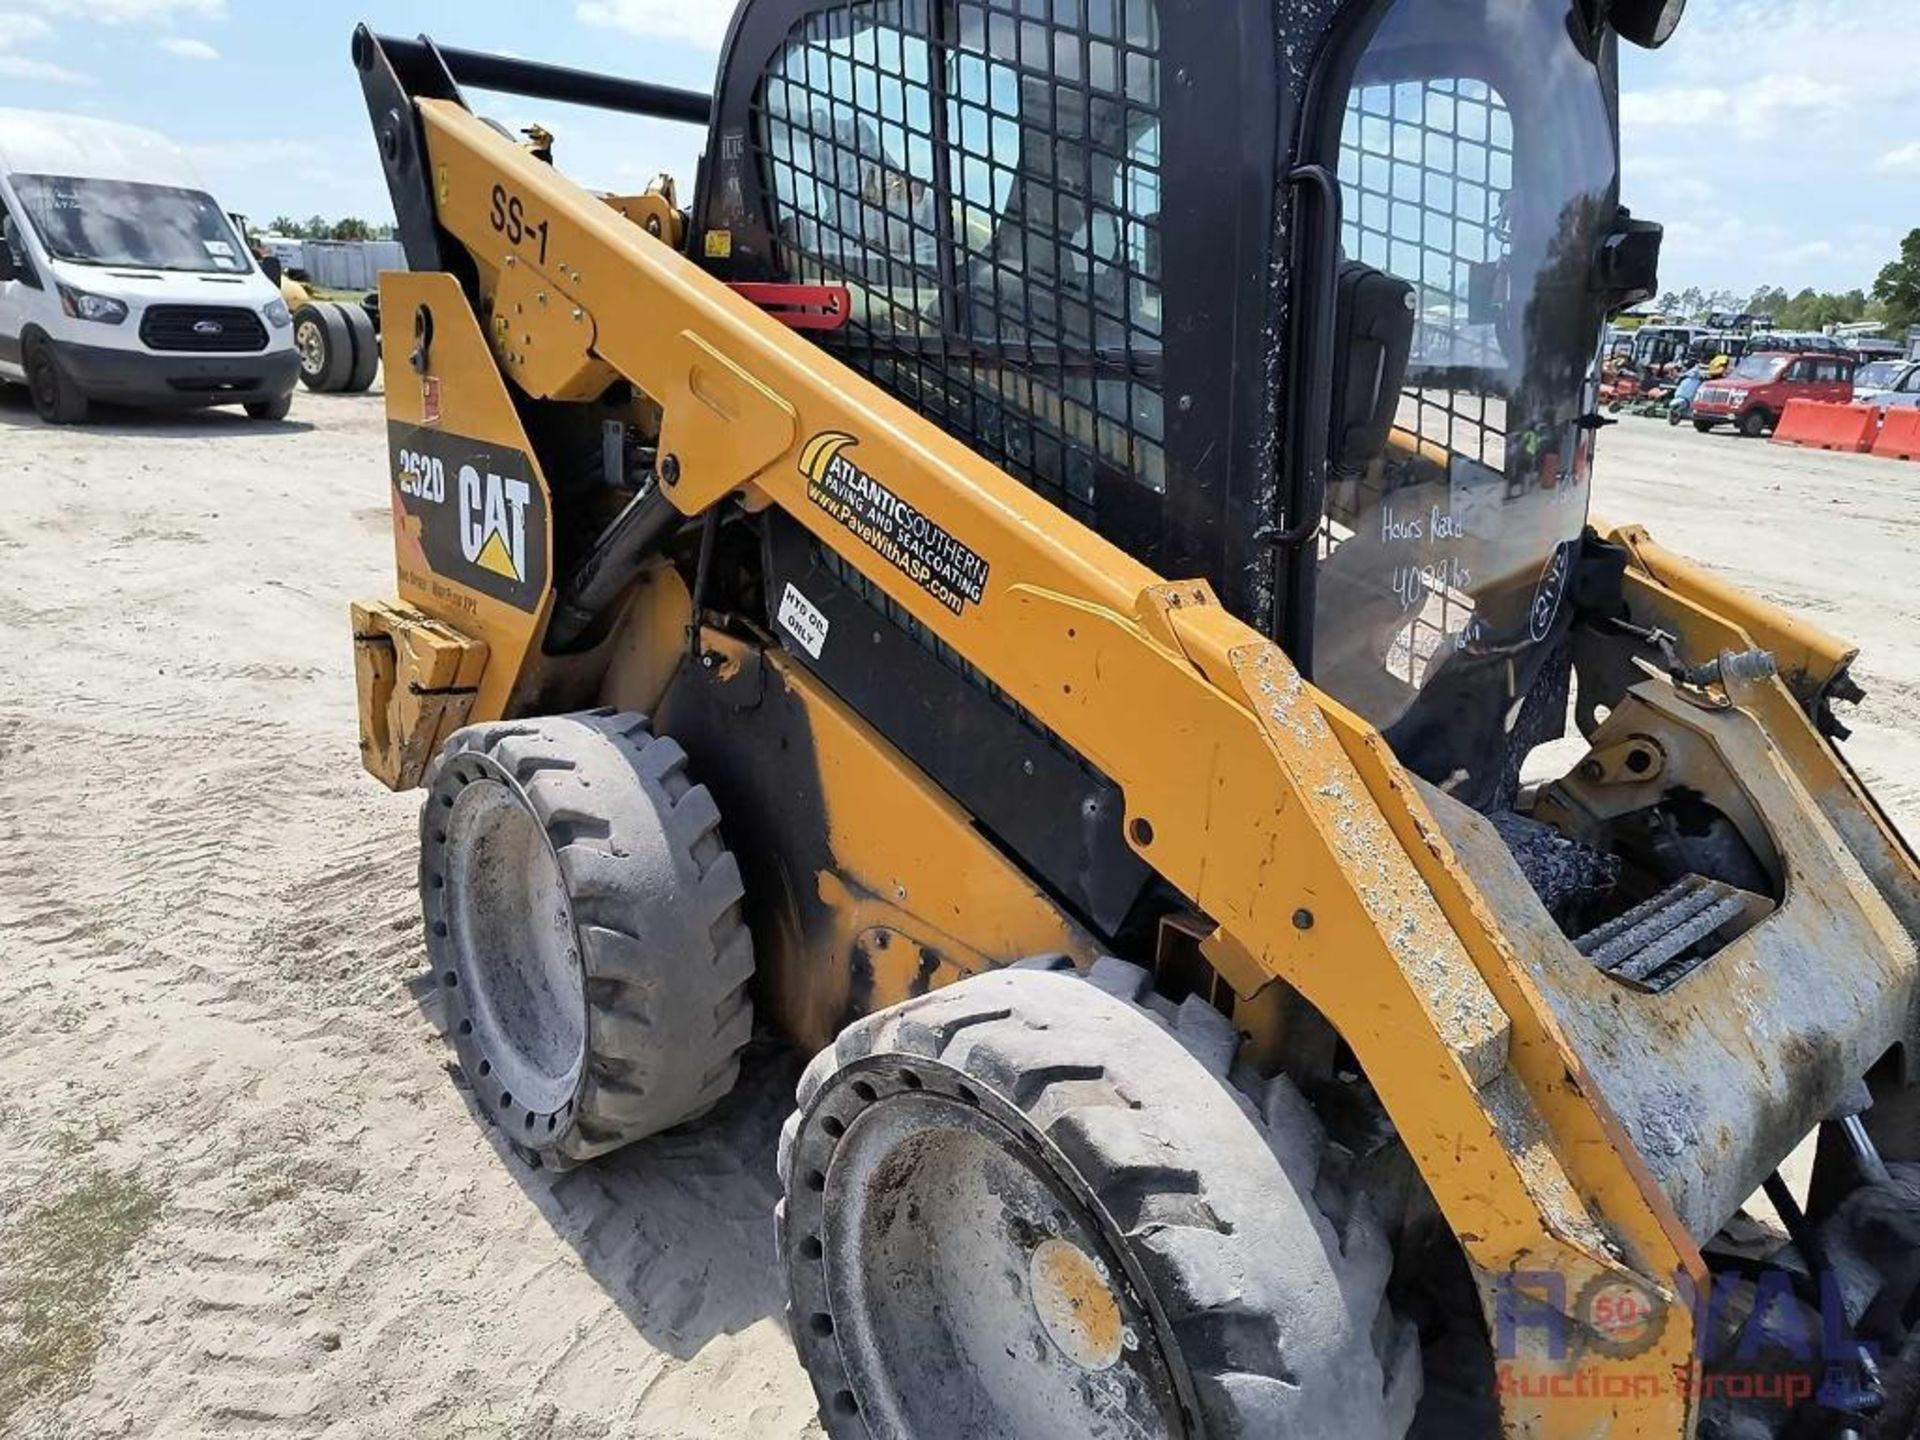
point(241, 1192)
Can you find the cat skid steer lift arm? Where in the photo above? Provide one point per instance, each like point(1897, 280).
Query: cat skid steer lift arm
point(1322, 870)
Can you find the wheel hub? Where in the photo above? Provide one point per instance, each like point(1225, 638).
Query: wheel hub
point(307, 340)
point(954, 1277)
point(514, 949)
point(1076, 1304)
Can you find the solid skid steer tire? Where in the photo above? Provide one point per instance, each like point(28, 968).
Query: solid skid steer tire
point(1037, 1204)
point(325, 346)
point(584, 923)
point(366, 348)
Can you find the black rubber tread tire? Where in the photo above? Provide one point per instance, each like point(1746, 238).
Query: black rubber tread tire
point(1900, 1420)
point(366, 349)
point(277, 408)
point(666, 957)
point(1705, 427)
point(1277, 1308)
point(336, 350)
point(55, 398)
point(1755, 423)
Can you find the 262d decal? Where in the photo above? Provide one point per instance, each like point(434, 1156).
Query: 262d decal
point(482, 518)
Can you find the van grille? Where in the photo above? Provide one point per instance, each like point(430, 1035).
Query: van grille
point(206, 329)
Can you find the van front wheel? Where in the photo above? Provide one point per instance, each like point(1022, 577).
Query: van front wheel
point(56, 399)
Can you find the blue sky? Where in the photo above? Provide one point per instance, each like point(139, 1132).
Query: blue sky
point(1779, 140)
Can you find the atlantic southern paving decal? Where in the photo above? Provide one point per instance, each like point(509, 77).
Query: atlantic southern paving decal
point(909, 541)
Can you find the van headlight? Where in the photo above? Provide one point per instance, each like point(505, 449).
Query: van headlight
point(278, 315)
point(82, 306)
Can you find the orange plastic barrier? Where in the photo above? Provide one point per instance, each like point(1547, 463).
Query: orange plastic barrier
point(1900, 435)
point(1816, 425)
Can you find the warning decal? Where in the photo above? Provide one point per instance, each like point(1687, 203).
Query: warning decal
point(802, 619)
point(909, 541)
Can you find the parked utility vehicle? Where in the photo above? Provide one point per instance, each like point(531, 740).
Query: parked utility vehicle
point(122, 279)
point(1755, 393)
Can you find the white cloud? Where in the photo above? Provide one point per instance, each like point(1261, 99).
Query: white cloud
point(1669, 179)
point(1675, 109)
point(16, 29)
point(700, 23)
point(1903, 161)
point(1797, 60)
point(1812, 250)
point(20, 67)
point(134, 12)
point(1686, 190)
point(187, 49)
point(1790, 108)
point(1771, 104)
point(232, 155)
point(1696, 240)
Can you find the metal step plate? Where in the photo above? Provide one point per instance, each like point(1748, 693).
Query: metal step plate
point(1659, 942)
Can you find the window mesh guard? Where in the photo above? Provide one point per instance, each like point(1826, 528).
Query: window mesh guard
point(1426, 172)
point(985, 178)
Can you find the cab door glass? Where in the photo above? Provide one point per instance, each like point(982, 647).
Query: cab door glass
point(1477, 163)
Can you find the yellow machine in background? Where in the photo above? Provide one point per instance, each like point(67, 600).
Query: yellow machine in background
point(1235, 1012)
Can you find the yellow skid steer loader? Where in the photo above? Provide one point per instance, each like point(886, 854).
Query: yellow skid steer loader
point(1062, 583)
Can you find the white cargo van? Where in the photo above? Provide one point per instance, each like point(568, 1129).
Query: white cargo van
point(122, 279)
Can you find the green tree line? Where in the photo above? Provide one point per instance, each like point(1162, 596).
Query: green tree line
point(318, 227)
point(1894, 300)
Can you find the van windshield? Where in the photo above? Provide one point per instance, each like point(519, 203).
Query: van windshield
point(123, 222)
point(1760, 367)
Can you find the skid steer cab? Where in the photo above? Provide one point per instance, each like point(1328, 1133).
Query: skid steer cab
point(1055, 577)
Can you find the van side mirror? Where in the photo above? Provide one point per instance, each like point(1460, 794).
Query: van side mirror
point(1372, 343)
point(14, 264)
point(271, 267)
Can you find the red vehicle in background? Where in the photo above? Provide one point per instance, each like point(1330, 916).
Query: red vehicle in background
point(1755, 392)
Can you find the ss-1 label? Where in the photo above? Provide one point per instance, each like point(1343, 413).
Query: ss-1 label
point(509, 216)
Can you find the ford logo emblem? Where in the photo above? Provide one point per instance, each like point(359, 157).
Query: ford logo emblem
point(208, 327)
